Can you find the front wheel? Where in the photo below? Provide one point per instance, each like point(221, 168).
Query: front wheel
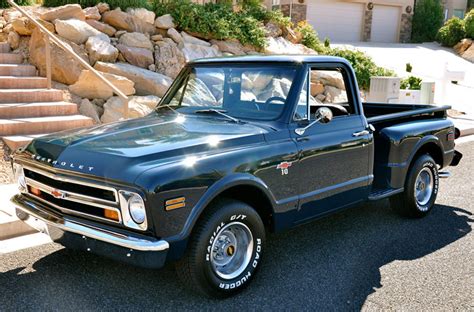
point(421, 189)
point(225, 250)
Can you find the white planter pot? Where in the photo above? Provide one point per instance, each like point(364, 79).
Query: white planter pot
point(409, 97)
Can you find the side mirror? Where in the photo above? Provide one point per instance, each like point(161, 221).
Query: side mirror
point(322, 115)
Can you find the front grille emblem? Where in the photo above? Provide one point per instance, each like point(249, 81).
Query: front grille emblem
point(58, 194)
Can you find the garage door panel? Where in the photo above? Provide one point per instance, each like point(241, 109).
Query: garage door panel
point(385, 21)
point(339, 21)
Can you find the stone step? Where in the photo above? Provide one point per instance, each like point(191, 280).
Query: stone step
point(11, 82)
point(17, 70)
point(37, 125)
point(4, 47)
point(11, 58)
point(30, 95)
point(16, 141)
point(42, 109)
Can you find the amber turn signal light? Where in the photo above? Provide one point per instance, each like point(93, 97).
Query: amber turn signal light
point(175, 203)
point(111, 214)
point(35, 191)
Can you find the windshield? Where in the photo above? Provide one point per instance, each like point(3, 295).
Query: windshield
point(251, 92)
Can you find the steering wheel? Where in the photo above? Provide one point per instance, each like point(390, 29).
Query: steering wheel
point(273, 99)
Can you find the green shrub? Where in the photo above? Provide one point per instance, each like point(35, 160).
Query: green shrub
point(469, 24)
point(452, 32)
point(310, 37)
point(428, 18)
point(411, 83)
point(218, 21)
point(123, 4)
point(408, 67)
point(4, 3)
point(363, 65)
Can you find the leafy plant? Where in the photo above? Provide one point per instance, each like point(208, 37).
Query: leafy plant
point(408, 67)
point(428, 18)
point(452, 32)
point(327, 42)
point(363, 65)
point(4, 3)
point(310, 37)
point(469, 24)
point(411, 83)
point(123, 4)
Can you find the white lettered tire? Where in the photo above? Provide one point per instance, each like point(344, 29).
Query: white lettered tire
point(225, 250)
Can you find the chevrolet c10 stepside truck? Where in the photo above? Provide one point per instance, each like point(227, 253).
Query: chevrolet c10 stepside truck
point(236, 148)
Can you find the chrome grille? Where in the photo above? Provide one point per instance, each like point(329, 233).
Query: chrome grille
point(72, 196)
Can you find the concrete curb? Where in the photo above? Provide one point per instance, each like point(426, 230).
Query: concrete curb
point(10, 225)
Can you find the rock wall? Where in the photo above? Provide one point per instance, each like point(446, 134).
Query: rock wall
point(140, 53)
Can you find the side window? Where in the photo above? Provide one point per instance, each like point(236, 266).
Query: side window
point(327, 88)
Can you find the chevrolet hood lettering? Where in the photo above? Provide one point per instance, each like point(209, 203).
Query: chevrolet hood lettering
point(62, 164)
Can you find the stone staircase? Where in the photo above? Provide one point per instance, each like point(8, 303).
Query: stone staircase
point(27, 108)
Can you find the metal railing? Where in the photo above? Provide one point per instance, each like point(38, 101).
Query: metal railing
point(48, 37)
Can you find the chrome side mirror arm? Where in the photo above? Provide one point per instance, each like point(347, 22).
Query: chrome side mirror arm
point(323, 115)
point(301, 131)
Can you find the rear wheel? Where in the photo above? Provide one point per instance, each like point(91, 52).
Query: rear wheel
point(225, 250)
point(421, 189)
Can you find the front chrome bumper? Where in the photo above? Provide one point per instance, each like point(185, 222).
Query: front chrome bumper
point(36, 215)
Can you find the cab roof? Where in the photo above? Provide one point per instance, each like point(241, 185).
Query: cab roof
point(300, 58)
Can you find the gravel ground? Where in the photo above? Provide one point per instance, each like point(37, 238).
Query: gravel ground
point(365, 258)
point(6, 174)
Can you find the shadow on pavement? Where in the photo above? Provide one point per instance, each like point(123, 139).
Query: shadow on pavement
point(333, 263)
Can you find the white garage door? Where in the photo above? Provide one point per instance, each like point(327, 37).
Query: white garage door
point(385, 20)
point(339, 21)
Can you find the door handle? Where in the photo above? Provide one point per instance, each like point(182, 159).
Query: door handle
point(361, 133)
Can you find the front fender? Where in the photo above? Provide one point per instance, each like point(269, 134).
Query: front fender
point(214, 191)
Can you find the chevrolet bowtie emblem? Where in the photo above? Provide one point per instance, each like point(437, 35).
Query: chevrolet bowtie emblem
point(58, 194)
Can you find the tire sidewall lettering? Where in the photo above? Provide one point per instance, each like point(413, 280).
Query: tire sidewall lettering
point(432, 167)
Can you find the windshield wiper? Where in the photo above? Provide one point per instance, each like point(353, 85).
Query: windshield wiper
point(170, 107)
point(219, 112)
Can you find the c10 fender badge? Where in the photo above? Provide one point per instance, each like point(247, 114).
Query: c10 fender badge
point(283, 166)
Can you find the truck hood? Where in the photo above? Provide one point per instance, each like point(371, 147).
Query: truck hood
point(121, 151)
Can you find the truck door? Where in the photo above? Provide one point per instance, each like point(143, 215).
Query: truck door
point(333, 157)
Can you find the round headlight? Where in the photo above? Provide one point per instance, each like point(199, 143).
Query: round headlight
point(19, 177)
point(136, 207)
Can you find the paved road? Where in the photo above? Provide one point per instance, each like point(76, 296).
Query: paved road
point(365, 258)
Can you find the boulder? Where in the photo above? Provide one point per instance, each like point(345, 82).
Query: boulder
point(24, 27)
point(92, 13)
point(190, 39)
point(272, 30)
point(76, 31)
point(169, 60)
point(146, 82)
point(463, 45)
point(175, 35)
point(280, 45)
point(469, 54)
point(13, 40)
point(88, 109)
point(119, 33)
point(64, 12)
point(100, 50)
point(138, 106)
point(193, 51)
point(65, 68)
point(157, 37)
point(103, 7)
point(11, 15)
point(230, 46)
point(316, 88)
point(292, 35)
point(136, 40)
point(165, 22)
point(102, 27)
point(329, 78)
point(91, 87)
point(118, 19)
point(142, 14)
point(136, 56)
point(334, 95)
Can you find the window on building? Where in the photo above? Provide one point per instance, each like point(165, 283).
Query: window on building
point(458, 13)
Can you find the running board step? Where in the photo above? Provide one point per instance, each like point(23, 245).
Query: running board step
point(378, 194)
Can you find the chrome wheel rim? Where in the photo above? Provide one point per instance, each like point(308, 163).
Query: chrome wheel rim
point(231, 251)
point(424, 186)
